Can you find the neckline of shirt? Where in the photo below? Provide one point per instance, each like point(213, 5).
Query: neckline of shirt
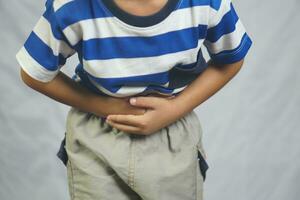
point(140, 23)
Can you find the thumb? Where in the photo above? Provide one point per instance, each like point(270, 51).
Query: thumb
point(146, 102)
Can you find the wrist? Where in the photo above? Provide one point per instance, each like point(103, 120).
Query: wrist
point(180, 106)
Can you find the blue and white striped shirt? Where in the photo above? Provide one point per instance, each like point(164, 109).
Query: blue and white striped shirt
point(120, 57)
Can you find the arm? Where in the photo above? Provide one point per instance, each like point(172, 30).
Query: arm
point(45, 52)
point(65, 90)
point(162, 112)
point(227, 43)
point(212, 79)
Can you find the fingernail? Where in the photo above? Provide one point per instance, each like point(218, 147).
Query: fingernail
point(132, 100)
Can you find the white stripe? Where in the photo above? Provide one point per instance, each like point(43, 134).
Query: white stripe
point(108, 26)
point(229, 41)
point(130, 90)
point(33, 68)
point(133, 90)
point(179, 89)
point(120, 67)
point(44, 32)
point(57, 4)
point(216, 16)
point(121, 93)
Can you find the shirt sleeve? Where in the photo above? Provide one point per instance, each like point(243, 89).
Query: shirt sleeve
point(46, 49)
point(226, 40)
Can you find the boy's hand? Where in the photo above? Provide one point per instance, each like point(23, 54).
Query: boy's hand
point(160, 112)
point(121, 106)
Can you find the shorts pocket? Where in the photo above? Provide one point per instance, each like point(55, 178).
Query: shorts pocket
point(62, 154)
point(203, 166)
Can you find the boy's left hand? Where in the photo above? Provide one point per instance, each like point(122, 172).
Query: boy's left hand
point(160, 112)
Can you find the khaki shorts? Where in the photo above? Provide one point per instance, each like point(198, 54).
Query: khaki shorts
point(105, 163)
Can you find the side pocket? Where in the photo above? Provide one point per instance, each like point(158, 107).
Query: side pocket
point(203, 165)
point(62, 154)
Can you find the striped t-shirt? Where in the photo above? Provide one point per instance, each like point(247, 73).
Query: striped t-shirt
point(121, 54)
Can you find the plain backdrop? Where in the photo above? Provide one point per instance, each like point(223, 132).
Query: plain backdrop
point(251, 127)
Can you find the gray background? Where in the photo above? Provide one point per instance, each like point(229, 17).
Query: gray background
point(251, 126)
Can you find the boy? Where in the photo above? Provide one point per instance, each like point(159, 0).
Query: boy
point(150, 49)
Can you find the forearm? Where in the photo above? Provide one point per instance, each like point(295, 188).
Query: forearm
point(211, 80)
point(65, 90)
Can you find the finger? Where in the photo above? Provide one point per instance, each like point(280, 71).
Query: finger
point(148, 102)
point(125, 128)
point(132, 120)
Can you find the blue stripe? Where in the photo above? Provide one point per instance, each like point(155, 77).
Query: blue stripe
point(159, 89)
point(226, 25)
point(50, 16)
point(154, 79)
point(49, 3)
point(186, 67)
point(150, 80)
point(237, 54)
point(215, 4)
point(133, 47)
point(42, 53)
point(114, 84)
point(78, 10)
point(84, 81)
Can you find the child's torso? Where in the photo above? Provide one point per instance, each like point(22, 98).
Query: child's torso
point(121, 59)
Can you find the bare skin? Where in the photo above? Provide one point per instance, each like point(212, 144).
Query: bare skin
point(141, 7)
point(65, 90)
